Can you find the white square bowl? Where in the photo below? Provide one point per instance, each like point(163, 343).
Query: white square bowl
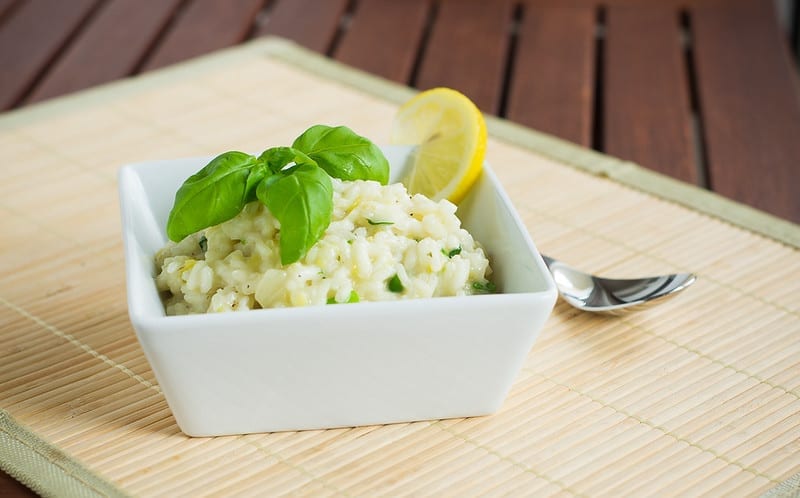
point(335, 366)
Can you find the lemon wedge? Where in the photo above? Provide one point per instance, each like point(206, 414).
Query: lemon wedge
point(449, 133)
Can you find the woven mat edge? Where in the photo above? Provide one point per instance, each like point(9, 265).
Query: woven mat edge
point(790, 488)
point(43, 467)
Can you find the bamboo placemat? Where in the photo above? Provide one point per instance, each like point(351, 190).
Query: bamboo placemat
point(699, 396)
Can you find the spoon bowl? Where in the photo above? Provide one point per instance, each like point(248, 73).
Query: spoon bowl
point(614, 296)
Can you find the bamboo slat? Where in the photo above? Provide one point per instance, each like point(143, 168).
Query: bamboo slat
point(698, 396)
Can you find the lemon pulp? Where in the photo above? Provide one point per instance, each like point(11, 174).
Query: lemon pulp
point(449, 133)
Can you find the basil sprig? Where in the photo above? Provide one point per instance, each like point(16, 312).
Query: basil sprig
point(293, 182)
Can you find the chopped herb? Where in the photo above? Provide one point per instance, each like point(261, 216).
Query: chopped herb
point(487, 288)
point(451, 252)
point(203, 243)
point(352, 299)
point(395, 285)
point(371, 222)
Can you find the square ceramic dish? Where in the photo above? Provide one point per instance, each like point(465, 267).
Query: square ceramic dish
point(335, 366)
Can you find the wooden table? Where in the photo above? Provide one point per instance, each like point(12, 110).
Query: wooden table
point(700, 90)
point(699, 395)
point(700, 93)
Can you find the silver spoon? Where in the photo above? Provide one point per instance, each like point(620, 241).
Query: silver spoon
point(613, 296)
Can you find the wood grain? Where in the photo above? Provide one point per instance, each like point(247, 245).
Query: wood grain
point(374, 43)
point(750, 105)
point(552, 82)
point(647, 111)
point(310, 23)
point(205, 26)
point(30, 38)
point(6, 6)
point(11, 488)
point(467, 50)
point(111, 46)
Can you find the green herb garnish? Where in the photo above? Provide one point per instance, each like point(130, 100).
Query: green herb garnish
point(486, 288)
point(451, 252)
point(216, 193)
point(352, 299)
point(395, 285)
point(302, 201)
point(372, 222)
point(343, 154)
point(293, 182)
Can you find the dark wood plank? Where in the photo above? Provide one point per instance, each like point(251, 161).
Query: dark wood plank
point(750, 105)
point(11, 488)
point(552, 82)
point(110, 47)
point(467, 50)
point(374, 43)
point(29, 39)
point(6, 6)
point(795, 34)
point(647, 110)
point(205, 26)
point(310, 23)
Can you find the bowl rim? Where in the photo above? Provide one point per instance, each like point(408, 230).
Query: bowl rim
point(141, 317)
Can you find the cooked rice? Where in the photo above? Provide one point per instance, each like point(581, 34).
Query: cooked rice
point(376, 232)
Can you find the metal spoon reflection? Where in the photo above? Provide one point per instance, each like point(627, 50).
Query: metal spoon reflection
point(613, 296)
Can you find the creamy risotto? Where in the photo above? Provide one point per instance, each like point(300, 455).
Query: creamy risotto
point(382, 244)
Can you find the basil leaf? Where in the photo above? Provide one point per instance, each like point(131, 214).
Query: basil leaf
point(302, 201)
point(343, 153)
point(216, 193)
point(277, 158)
